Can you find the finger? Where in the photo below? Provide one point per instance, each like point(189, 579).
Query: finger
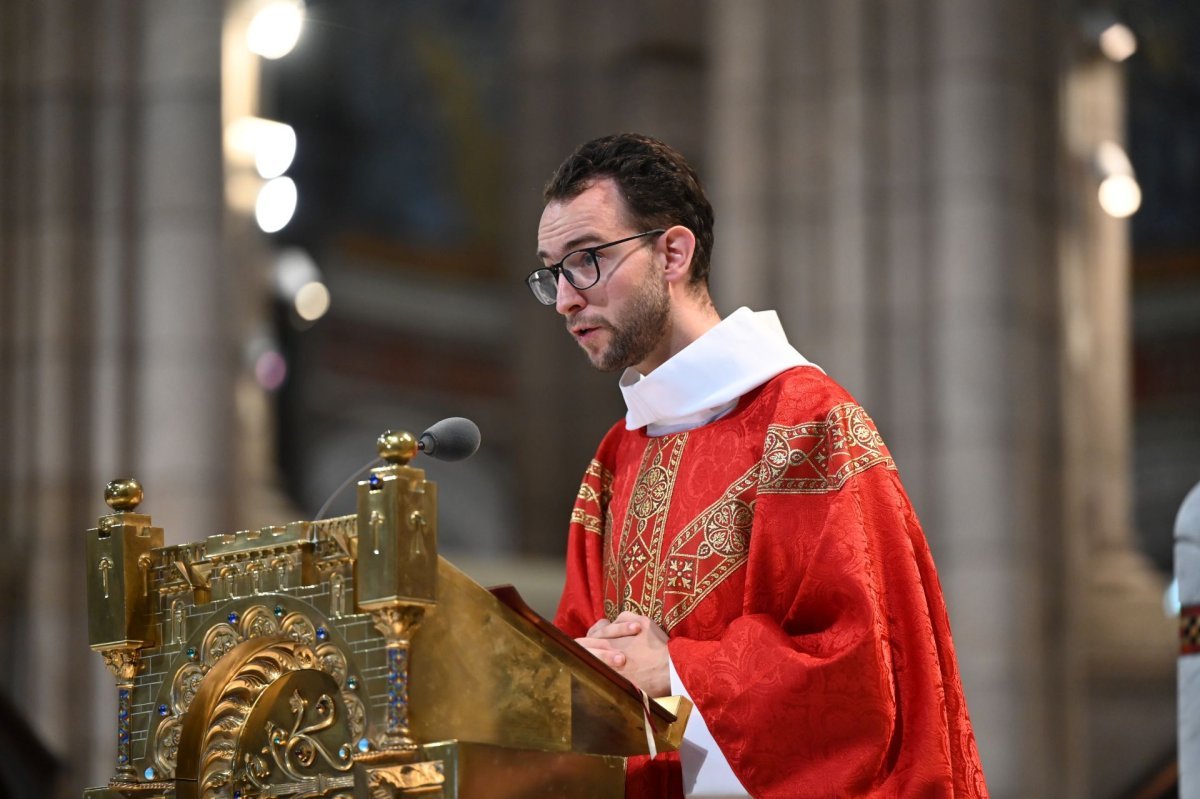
point(598, 626)
point(610, 657)
point(618, 630)
point(629, 617)
point(590, 643)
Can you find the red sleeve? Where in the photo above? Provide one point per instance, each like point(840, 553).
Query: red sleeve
point(838, 678)
point(582, 601)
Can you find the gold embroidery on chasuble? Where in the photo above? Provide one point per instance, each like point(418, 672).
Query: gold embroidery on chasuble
point(661, 573)
point(820, 457)
point(594, 493)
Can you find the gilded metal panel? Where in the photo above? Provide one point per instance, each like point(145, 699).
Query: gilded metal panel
point(397, 539)
point(118, 580)
point(483, 771)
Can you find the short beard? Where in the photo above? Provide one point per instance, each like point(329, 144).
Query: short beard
point(641, 330)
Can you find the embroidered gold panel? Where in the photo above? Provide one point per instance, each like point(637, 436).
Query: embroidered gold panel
point(653, 573)
point(819, 457)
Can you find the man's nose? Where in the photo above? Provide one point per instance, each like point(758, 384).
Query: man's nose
point(567, 298)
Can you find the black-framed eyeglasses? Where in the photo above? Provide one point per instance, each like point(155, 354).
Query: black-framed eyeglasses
point(580, 267)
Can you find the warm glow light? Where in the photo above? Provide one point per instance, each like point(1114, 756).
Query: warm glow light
point(1120, 196)
point(1118, 42)
point(275, 29)
point(275, 205)
point(270, 145)
point(312, 301)
point(274, 150)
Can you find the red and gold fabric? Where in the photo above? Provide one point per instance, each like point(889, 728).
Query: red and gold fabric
point(779, 551)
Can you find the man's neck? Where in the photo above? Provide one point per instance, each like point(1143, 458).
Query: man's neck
point(692, 315)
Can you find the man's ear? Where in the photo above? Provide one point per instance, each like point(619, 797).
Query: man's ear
point(679, 245)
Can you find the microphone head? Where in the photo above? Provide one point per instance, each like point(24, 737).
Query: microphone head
point(451, 439)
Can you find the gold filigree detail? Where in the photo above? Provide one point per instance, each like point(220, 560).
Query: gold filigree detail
point(219, 639)
point(122, 663)
point(166, 746)
point(331, 661)
point(185, 685)
point(225, 724)
point(298, 627)
point(257, 621)
point(397, 623)
point(384, 781)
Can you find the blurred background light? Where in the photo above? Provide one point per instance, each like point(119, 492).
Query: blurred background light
point(270, 370)
point(1117, 42)
point(269, 145)
point(1119, 194)
point(275, 29)
point(275, 205)
point(312, 301)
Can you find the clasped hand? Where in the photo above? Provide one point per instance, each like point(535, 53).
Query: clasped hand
point(635, 647)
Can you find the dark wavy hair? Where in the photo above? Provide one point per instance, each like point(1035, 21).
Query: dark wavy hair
point(658, 184)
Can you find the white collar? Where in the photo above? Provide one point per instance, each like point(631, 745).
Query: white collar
point(705, 379)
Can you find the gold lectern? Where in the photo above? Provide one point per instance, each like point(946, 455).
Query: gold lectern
point(345, 659)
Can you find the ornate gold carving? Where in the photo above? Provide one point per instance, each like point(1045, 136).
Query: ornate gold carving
point(384, 781)
point(219, 639)
point(397, 623)
point(122, 662)
point(185, 685)
point(298, 627)
point(331, 661)
point(166, 746)
point(257, 621)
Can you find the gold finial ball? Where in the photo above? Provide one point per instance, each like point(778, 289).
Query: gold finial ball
point(397, 448)
point(124, 494)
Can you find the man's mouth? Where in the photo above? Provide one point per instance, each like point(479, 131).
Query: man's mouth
point(585, 331)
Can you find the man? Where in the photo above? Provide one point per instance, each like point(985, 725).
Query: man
point(742, 536)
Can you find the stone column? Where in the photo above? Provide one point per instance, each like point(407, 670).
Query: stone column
point(894, 164)
point(583, 70)
point(114, 359)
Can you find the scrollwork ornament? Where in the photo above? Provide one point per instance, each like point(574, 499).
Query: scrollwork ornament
point(220, 639)
point(257, 621)
point(185, 685)
point(166, 746)
point(356, 714)
point(298, 627)
point(332, 662)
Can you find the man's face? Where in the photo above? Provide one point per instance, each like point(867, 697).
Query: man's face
point(623, 320)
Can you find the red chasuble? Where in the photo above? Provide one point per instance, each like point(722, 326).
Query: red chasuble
point(779, 551)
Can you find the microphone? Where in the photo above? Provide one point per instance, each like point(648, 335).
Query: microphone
point(451, 439)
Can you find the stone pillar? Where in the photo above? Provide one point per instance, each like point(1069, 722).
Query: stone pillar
point(583, 70)
point(889, 174)
point(114, 359)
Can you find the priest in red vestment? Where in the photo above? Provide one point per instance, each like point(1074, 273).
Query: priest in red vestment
point(742, 536)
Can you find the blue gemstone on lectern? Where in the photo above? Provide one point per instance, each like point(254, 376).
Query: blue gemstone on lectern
point(363, 744)
point(322, 633)
point(149, 772)
point(233, 617)
point(163, 710)
point(375, 482)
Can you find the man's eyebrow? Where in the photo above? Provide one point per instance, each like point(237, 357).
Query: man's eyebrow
point(573, 244)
